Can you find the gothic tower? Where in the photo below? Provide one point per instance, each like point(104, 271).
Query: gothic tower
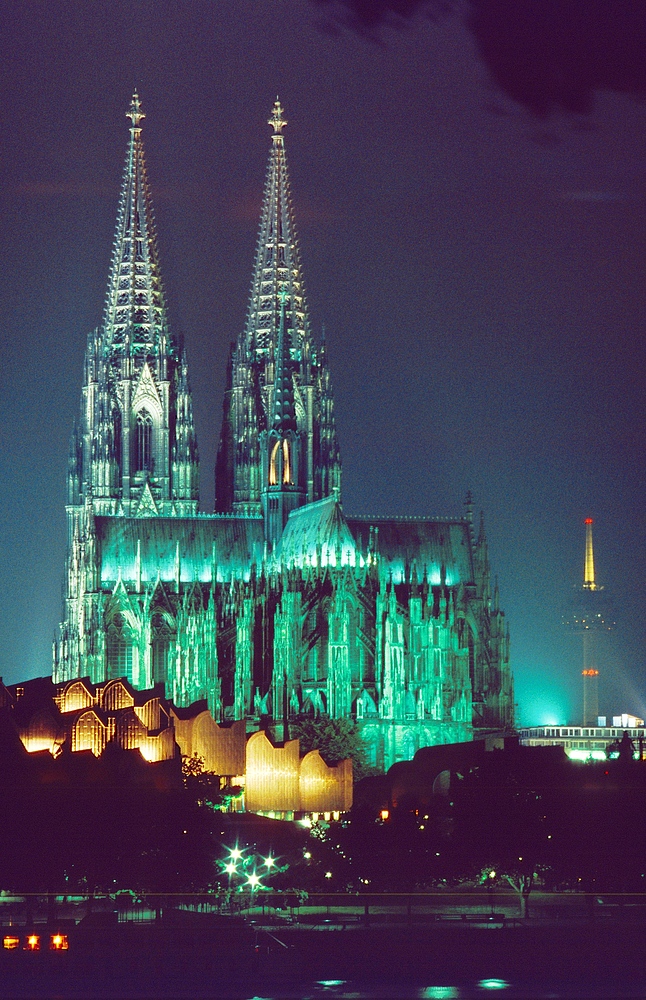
point(278, 447)
point(133, 450)
point(135, 443)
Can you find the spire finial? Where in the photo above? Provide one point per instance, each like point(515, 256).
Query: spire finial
point(277, 121)
point(134, 113)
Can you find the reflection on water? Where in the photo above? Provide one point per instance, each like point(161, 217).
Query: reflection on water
point(340, 989)
point(440, 993)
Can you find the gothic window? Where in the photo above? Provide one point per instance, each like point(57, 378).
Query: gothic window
point(161, 650)
point(287, 474)
point(144, 442)
point(119, 650)
point(272, 465)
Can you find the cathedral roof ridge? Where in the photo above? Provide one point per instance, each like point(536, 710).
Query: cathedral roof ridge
point(407, 517)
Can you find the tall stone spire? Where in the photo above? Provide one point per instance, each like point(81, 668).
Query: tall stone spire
point(136, 431)
point(277, 267)
point(135, 312)
point(276, 360)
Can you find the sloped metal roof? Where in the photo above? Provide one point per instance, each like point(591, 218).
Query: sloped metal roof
point(317, 534)
point(429, 544)
point(229, 543)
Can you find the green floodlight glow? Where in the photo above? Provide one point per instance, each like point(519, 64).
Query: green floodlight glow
point(493, 984)
point(440, 993)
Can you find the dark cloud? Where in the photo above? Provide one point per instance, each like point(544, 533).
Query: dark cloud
point(547, 55)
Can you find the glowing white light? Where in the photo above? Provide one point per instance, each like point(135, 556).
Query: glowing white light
point(236, 853)
point(230, 869)
point(328, 874)
point(269, 862)
point(253, 880)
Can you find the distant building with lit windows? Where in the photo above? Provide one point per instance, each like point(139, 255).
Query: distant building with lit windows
point(583, 742)
point(278, 603)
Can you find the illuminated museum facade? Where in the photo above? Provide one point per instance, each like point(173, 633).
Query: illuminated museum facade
point(278, 603)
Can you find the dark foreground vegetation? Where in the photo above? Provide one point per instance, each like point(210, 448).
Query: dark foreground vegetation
point(522, 819)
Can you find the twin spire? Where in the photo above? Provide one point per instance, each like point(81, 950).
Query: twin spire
point(135, 320)
point(277, 267)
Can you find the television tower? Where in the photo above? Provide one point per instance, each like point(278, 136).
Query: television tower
point(588, 617)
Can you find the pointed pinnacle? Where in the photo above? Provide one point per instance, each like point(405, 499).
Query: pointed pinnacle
point(277, 121)
point(134, 113)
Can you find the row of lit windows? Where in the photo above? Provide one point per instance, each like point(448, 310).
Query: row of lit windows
point(599, 733)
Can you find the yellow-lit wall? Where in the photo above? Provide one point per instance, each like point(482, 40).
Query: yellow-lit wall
point(323, 788)
point(272, 775)
point(277, 780)
point(221, 748)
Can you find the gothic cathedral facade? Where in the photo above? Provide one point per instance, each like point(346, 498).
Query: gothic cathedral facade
point(278, 603)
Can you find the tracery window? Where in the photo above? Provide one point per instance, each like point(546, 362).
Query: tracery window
point(119, 650)
point(272, 464)
point(161, 648)
point(144, 442)
point(287, 474)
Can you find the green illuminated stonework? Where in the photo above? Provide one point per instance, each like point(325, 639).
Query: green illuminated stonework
point(278, 601)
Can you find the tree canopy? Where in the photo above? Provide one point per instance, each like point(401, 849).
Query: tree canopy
point(335, 739)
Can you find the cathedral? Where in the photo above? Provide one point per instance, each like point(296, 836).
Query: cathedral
point(278, 603)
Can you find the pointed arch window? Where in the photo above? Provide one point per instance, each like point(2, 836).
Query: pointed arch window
point(273, 476)
point(119, 650)
point(161, 651)
point(144, 442)
point(287, 472)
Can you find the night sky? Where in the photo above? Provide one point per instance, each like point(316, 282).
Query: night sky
point(469, 196)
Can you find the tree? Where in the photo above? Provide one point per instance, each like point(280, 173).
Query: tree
point(335, 739)
point(202, 785)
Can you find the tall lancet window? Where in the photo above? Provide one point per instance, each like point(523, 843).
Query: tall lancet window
point(144, 442)
point(119, 650)
point(287, 474)
point(161, 648)
point(273, 475)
